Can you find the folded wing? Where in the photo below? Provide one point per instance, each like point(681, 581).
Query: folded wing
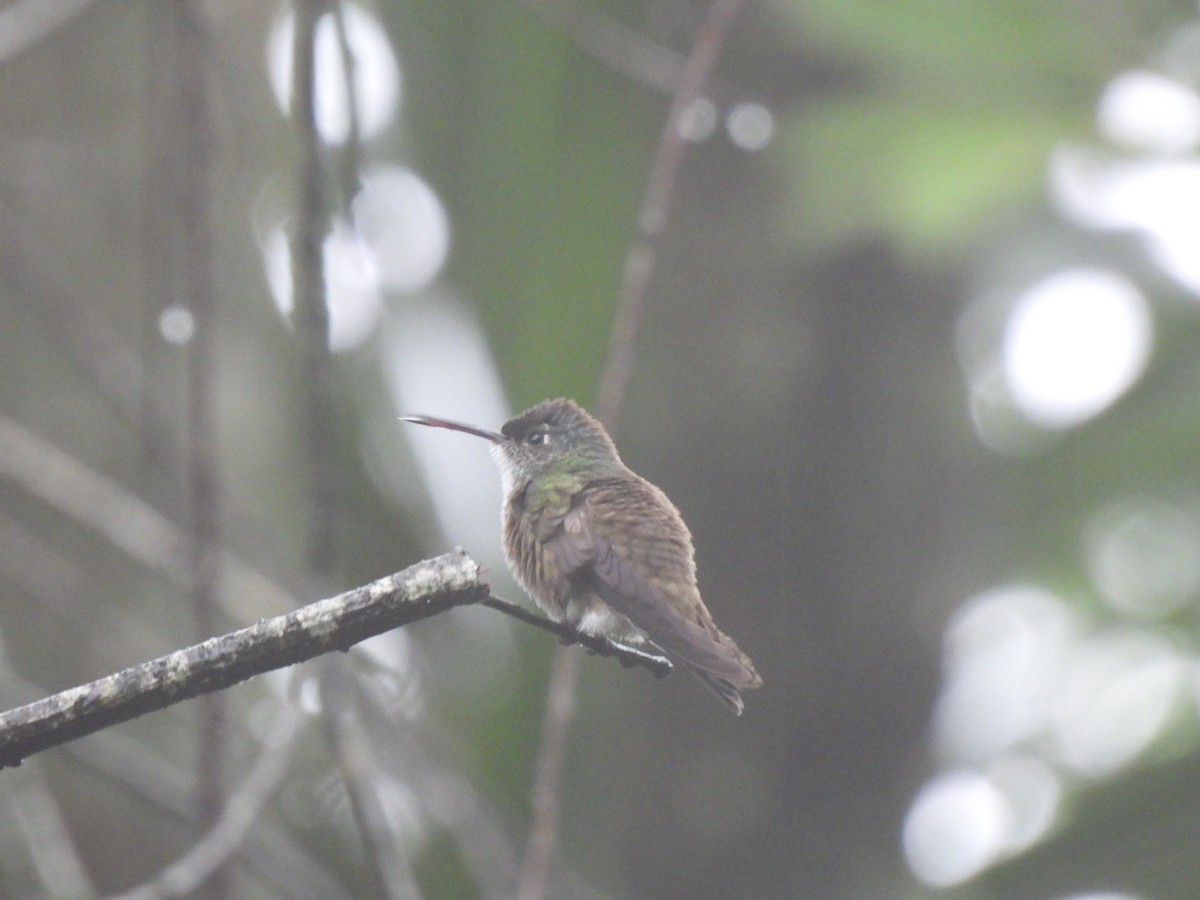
point(624, 540)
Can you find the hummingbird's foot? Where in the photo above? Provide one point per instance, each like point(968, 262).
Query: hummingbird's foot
point(568, 636)
point(592, 643)
point(649, 654)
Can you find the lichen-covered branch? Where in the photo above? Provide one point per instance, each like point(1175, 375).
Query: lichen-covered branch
point(420, 591)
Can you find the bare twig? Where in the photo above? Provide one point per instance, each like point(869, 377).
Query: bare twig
point(27, 22)
point(311, 315)
point(639, 263)
point(417, 755)
point(628, 656)
point(128, 522)
point(656, 204)
point(34, 809)
point(229, 832)
point(622, 49)
point(82, 333)
point(387, 861)
point(343, 718)
point(350, 158)
point(547, 776)
point(420, 591)
point(269, 849)
point(192, 117)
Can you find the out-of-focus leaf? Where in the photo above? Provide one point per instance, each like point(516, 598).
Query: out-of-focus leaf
point(927, 179)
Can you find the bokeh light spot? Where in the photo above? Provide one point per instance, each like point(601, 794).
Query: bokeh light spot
point(1144, 556)
point(403, 223)
point(698, 121)
point(750, 125)
point(351, 288)
point(1074, 343)
point(1033, 792)
point(351, 283)
point(955, 828)
point(1117, 695)
point(1002, 648)
point(376, 73)
point(1149, 111)
point(176, 324)
point(963, 821)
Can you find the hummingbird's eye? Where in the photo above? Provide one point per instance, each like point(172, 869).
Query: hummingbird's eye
point(536, 438)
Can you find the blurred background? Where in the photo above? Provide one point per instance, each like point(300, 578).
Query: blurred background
point(917, 363)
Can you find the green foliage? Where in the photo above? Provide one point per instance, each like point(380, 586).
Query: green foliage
point(929, 178)
point(542, 179)
point(947, 115)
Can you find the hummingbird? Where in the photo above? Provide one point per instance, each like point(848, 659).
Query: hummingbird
point(601, 548)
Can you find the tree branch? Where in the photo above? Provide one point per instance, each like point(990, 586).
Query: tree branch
point(418, 592)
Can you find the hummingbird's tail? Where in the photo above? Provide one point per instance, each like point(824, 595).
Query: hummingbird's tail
point(729, 688)
point(706, 651)
point(723, 688)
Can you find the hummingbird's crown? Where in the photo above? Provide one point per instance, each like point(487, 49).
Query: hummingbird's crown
point(553, 413)
point(558, 425)
point(556, 414)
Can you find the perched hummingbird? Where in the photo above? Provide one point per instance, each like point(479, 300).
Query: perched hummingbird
point(600, 547)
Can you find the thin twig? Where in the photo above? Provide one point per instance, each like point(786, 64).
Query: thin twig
point(124, 519)
point(628, 656)
point(53, 853)
point(228, 834)
point(27, 22)
point(83, 335)
point(416, 756)
point(547, 775)
point(622, 49)
point(342, 715)
point(192, 116)
point(311, 315)
point(386, 861)
point(639, 264)
point(349, 167)
point(269, 850)
point(656, 205)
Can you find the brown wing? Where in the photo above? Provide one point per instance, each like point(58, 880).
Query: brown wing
point(624, 539)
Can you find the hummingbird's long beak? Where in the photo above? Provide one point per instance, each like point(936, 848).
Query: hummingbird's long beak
point(494, 437)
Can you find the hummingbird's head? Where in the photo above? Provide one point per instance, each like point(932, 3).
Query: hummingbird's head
point(554, 436)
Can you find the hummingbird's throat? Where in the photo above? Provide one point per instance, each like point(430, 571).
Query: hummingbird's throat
point(508, 469)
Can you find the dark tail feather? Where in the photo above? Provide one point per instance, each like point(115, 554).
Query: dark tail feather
point(726, 686)
point(723, 688)
point(727, 689)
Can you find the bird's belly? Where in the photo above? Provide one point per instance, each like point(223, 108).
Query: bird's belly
point(591, 615)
